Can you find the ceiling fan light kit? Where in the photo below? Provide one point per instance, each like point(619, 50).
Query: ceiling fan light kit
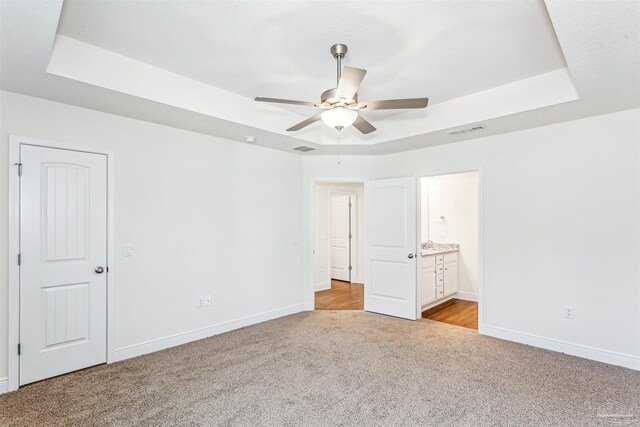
point(341, 103)
point(339, 118)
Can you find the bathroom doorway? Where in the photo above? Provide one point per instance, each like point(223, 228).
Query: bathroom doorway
point(449, 248)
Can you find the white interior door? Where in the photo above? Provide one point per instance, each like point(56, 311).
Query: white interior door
point(390, 283)
point(63, 245)
point(340, 237)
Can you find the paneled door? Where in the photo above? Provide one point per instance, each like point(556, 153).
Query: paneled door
point(63, 247)
point(390, 285)
point(340, 237)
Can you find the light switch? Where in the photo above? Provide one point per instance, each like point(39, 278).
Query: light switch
point(128, 250)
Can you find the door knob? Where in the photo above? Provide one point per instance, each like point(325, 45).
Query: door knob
point(410, 255)
point(99, 270)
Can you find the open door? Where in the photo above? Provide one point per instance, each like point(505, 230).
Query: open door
point(390, 285)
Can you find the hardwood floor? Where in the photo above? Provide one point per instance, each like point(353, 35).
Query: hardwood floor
point(341, 296)
point(455, 312)
point(350, 296)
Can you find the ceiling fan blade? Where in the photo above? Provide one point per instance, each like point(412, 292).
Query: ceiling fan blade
point(305, 123)
point(363, 125)
point(349, 82)
point(396, 104)
point(286, 101)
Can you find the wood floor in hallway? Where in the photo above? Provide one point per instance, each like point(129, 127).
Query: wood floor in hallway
point(341, 296)
point(455, 312)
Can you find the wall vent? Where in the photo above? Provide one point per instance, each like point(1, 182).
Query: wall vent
point(304, 148)
point(471, 129)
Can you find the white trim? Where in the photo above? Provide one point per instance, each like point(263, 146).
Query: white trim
point(468, 296)
point(308, 287)
point(322, 286)
point(15, 141)
point(13, 318)
point(197, 334)
point(4, 385)
point(360, 279)
point(586, 352)
point(436, 303)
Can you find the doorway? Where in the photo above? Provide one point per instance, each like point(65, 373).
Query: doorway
point(338, 284)
point(449, 248)
point(60, 201)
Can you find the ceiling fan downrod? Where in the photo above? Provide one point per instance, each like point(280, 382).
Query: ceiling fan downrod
point(338, 51)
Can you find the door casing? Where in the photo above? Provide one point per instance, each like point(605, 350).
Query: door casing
point(15, 142)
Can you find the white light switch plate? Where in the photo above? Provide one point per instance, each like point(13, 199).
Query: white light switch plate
point(128, 250)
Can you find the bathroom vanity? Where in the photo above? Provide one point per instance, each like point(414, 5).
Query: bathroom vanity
point(438, 272)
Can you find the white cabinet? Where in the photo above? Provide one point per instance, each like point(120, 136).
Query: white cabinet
point(427, 281)
point(438, 277)
point(450, 278)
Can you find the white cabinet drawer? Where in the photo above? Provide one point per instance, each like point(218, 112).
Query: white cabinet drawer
point(439, 268)
point(451, 257)
point(439, 292)
point(439, 259)
point(439, 280)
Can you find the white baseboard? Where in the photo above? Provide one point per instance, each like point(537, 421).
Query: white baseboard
point(586, 352)
point(4, 385)
point(198, 334)
point(466, 296)
point(360, 279)
point(322, 286)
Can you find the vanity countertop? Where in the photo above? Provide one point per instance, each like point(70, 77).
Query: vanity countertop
point(432, 248)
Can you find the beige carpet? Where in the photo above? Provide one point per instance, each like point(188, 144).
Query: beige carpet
point(337, 368)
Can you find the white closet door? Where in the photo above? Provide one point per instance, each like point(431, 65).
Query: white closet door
point(340, 229)
point(390, 247)
point(63, 245)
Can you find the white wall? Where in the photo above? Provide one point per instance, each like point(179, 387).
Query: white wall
point(322, 275)
point(205, 216)
point(561, 227)
point(456, 198)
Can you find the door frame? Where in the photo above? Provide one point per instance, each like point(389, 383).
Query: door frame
point(15, 142)
point(453, 171)
point(309, 291)
point(353, 230)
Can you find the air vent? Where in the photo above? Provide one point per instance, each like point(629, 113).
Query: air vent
point(466, 130)
point(304, 148)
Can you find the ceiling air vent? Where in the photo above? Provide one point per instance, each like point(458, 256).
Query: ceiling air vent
point(466, 130)
point(304, 148)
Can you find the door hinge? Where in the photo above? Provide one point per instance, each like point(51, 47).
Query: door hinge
point(19, 168)
point(19, 259)
point(350, 268)
point(19, 348)
point(350, 236)
point(350, 205)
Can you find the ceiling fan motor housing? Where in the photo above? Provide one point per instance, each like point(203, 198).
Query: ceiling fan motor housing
point(329, 98)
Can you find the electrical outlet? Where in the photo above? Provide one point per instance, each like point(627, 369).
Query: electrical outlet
point(207, 300)
point(569, 312)
point(200, 302)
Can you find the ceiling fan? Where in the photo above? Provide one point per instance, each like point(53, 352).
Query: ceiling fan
point(341, 104)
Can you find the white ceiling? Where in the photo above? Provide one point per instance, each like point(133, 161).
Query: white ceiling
point(440, 50)
point(443, 50)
